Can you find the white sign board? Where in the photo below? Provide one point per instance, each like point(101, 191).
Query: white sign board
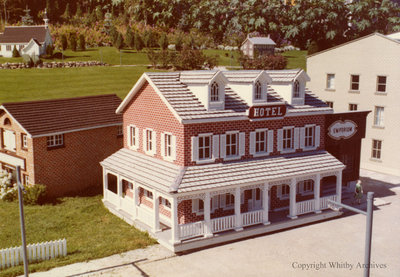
point(11, 160)
point(342, 129)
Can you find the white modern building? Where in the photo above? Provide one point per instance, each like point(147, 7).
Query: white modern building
point(364, 74)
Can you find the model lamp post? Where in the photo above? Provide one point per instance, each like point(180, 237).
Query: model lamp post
point(21, 215)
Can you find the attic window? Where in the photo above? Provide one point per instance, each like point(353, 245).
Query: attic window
point(257, 91)
point(7, 122)
point(296, 89)
point(214, 92)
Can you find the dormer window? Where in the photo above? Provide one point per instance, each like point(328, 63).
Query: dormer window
point(296, 89)
point(214, 92)
point(257, 91)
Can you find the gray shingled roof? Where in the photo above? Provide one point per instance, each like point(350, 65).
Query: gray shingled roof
point(23, 34)
point(286, 75)
point(169, 177)
point(262, 40)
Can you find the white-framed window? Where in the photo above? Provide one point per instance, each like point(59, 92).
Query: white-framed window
point(204, 149)
point(168, 146)
point(381, 84)
point(9, 140)
point(288, 139)
point(55, 140)
point(26, 179)
point(24, 140)
point(148, 194)
point(283, 191)
point(229, 201)
point(133, 137)
point(214, 92)
point(149, 140)
point(309, 136)
point(261, 142)
point(353, 107)
point(378, 116)
point(296, 89)
point(8, 48)
point(197, 206)
point(257, 91)
point(20, 47)
point(376, 152)
point(305, 187)
point(354, 82)
point(330, 81)
point(232, 144)
point(165, 202)
point(330, 104)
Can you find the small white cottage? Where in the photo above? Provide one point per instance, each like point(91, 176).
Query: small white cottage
point(260, 45)
point(29, 40)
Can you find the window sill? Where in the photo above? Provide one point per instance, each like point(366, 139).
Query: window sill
point(354, 91)
point(55, 147)
point(260, 154)
point(309, 148)
point(24, 148)
point(378, 127)
point(375, 160)
point(205, 161)
point(231, 158)
point(380, 92)
point(288, 151)
point(330, 89)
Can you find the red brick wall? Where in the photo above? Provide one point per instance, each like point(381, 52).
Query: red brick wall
point(74, 167)
point(147, 110)
point(219, 128)
point(144, 200)
point(164, 210)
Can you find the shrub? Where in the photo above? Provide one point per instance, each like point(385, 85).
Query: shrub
point(263, 62)
point(129, 38)
point(189, 59)
point(138, 42)
point(179, 43)
point(28, 60)
point(153, 57)
point(8, 189)
point(72, 42)
point(15, 53)
point(163, 42)
point(50, 50)
point(36, 60)
point(34, 194)
point(82, 43)
point(312, 48)
point(119, 43)
point(64, 42)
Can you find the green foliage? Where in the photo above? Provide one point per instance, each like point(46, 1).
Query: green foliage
point(150, 39)
point(50, 50)
point(27, 18)
point(64, 42)
point(67, 14)
point(78, 13)
point(15, 52)
point(119, 43)
point(138, 42)
point(82, 43)
point(99, 13)
point(129, 38)
point(72, 42)
point(312, 48)
point(34, 194)
point(163, 42)
point(267, 62)
point(28, 60)
point(179, 43)
point(36, 60)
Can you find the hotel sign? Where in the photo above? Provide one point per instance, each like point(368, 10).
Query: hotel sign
point(269, 111)
point(342, 129)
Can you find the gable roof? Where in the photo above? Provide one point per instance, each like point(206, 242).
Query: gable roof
point(47, 117)
point(23, 34)
point(261, 41)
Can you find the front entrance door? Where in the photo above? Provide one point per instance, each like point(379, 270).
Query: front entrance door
point(255, 200)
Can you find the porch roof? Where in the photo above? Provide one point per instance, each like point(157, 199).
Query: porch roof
point(169, 177)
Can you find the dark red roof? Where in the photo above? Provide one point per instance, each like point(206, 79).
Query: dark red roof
point(62, 115)
point(23, 34)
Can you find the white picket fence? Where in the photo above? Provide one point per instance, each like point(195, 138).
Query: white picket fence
point(36, 252)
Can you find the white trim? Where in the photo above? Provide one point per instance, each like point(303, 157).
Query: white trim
point(195, 147)
point(75, 130)
point(13, 118)
point(134, 146)
point(215, 147)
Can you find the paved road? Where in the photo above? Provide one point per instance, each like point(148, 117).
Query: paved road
point(330, 248)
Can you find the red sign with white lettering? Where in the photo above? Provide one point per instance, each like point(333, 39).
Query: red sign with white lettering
point(269, 111)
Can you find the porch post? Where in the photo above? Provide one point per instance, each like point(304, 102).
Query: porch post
point(175, 223)
point(265, 204)
point(292, 207)
point(207, 215)
point(136, 198)
point(317, 194)
point(119, 190)
point(238, 216)
point(156, 218)
point(339, 187)
point(105, 184)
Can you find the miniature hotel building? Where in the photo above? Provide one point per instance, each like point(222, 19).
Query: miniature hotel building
point(213, 156)
point(59, 143)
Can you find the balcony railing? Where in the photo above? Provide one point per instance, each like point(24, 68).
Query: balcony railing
point(191, 230)
point(221, 224)
point(252, 218)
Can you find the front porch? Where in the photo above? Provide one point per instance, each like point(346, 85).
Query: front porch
point(184, 222)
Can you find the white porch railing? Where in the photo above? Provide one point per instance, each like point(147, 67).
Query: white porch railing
point(251, 218)
point(324, 201)
point(305, 207)
point(36, 252)
point(191, 230)
point(145, 216)
point(112, 198)
point(222, 223)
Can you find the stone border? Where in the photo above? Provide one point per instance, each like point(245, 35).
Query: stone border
point(52, 65)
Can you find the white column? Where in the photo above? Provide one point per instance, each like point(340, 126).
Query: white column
point(135, 200)
point(175, 223)
point(292, 207)
point(156, 210)
point(207, 215)
point(238, 215)
point(265, 204)
point(317, 190)
point(105, 184)
point(119, 190)
point(339, 187)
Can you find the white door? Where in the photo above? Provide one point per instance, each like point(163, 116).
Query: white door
point(255, 201)
point(9, 140)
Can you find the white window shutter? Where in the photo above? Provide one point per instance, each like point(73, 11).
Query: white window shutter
point(195, 149)
point(162, 140)
point(137, 138)
point(296, 138)
point(144, 140)
point(173, 148)
point(302, 137)
point(154, 143)
point(128, 136)
point(242, 144)
point(252, 143)
point(270, 141)
point(222, 149)
point(280, 140)
point(317, 136)
point(215, 147)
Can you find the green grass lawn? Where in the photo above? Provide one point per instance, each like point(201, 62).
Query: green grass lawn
point(91, 231)
point(36, 84)
point(296, 59)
